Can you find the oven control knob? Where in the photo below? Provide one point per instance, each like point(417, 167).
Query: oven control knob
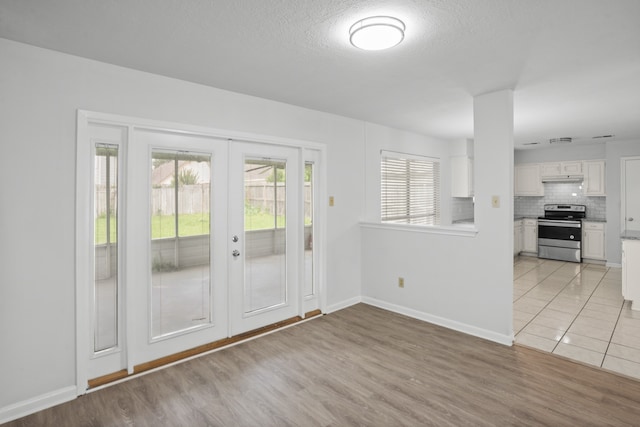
point(571, 237)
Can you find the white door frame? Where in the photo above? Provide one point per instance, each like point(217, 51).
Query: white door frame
point(85, 252)
point(312, 302)
point(623, 191)
point(84, 242)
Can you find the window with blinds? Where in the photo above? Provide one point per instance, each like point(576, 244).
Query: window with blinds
point(410, 189)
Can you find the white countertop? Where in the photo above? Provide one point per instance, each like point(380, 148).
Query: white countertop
point(630, 235)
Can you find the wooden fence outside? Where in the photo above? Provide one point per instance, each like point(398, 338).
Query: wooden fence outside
point(196, 199)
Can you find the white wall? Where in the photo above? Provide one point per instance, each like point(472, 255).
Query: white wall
point(561, 153)
point(41, 91)
point(611, 151)
point(461, 281)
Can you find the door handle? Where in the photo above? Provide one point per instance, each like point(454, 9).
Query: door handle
point(630, 219)
point(235, 253)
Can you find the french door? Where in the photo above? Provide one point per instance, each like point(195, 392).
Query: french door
point(176, 243)
point(265, 223)
point(195, 239)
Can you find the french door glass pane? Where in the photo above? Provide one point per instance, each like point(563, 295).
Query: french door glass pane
point(265, 232)
point(180, 241)
point(308, 230)
point(105, 289)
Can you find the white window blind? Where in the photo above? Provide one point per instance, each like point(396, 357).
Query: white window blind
point(410, 189)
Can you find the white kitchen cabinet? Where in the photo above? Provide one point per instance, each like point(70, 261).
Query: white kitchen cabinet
point(550, 169)
point(571, 168)
point(530, 235)
point(558, 169)
point(594, 178)
point(461, 176)
point(593, 240)
point(527, 180)
point(517, 237)
point(631, 272)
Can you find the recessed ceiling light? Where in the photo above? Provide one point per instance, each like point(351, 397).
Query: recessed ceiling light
point(377, 33)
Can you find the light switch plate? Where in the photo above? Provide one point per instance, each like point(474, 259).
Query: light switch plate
point(330, 200)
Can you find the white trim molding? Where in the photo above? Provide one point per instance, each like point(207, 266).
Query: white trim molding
point(450, 230)
point(441, 321)
point(342, 304)
point(38, 403)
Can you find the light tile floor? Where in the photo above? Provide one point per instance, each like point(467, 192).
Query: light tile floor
point(576, 311)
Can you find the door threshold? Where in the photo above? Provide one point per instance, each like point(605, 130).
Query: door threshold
point(176, 357)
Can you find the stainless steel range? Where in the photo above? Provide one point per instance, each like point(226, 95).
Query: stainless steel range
point(560, 232)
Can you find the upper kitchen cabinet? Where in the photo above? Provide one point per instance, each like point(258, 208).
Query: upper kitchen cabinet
point(461, 176)
point(527, 180)
point(594, 178)
point(560, 169)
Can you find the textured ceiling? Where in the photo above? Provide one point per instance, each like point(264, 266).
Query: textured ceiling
point(574, 65)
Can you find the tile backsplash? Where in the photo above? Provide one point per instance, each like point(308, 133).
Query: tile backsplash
point(461, 209)
point(561, 193)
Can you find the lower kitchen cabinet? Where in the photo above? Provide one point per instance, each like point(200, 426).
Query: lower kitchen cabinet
point(517, 237)
point(530, 235)
point(593, 240)
point(631, 272)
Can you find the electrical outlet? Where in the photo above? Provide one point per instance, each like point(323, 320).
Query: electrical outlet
point(495, 201)
point(401, 282)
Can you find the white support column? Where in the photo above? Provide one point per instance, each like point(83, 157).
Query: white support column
point(493, 140)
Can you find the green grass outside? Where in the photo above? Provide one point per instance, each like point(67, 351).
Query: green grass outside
point(100, 230)
point(163, 226)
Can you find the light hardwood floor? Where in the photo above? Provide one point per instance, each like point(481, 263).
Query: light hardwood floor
point(361, 366)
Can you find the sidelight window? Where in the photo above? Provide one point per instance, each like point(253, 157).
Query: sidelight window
point(105, 214)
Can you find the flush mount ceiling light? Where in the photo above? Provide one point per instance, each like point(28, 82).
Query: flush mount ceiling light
point(376, 33)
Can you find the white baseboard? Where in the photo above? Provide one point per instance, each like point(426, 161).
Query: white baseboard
point(593, 261)
point(614, 264)
point(343, 304)
point(441, 321)
point(38, 403)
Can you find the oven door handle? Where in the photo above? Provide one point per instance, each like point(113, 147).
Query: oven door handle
point(569, 224)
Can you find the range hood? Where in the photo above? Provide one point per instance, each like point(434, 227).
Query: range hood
point(564, 178)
